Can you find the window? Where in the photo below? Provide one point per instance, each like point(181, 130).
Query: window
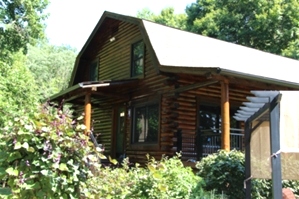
point(137, 62)
point(145, 124)
point(210, 119)
point(93, 71)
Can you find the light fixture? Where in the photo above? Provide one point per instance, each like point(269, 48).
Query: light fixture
point(112, 39)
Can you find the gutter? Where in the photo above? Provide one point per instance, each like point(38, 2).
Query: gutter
point(220, 71)
point(61, 93)
point(258, 78)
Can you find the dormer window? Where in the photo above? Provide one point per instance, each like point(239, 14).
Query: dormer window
point(94, 71)
point(137, 59)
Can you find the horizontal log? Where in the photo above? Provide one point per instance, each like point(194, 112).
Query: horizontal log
point(167, 134)
point(167, 143)
point(173, 124)
point(166, 129)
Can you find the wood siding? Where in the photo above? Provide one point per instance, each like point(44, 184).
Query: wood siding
point(115, 60)
point(115, 56)
point(178, 108)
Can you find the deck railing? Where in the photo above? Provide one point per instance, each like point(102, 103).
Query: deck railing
point(207, 142)
point(210, 141)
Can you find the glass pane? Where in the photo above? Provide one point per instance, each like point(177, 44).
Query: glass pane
point(94, 71)
point(146, 124)
point(153, 123)
point(208, 121)
point(137, 58)
point(138, 67)
point(140, 127)
point(138, 50)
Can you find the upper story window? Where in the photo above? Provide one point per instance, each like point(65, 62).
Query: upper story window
point(137, 59)
point(145, 123)
point(94, 71)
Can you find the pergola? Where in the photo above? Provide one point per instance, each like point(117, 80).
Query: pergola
point(271, 138)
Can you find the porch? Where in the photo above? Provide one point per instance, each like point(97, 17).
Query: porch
point(205, 142)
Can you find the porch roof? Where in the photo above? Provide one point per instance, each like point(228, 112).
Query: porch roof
point(96, 87)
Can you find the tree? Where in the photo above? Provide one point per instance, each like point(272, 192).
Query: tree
point(17, 88)
point(166, 17)
point(271, 26)
point(21, 22)
point(51, 67)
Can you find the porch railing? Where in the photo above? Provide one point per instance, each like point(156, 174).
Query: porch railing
point(210, 142)
point(207, 142)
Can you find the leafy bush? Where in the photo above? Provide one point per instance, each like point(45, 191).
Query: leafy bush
point(167, 178)
point(44, 154)
point(225, 172)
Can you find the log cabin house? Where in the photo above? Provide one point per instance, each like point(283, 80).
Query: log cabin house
point(146, 88)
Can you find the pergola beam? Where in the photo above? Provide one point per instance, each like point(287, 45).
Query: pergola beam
point(275, 147)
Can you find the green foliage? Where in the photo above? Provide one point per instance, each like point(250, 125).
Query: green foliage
point(167, 178)
point(51, 67)
point(17, 88)
point(224, 172)
point(21, 22)
point(271, 26)
point(45, 154)
point(166, 17)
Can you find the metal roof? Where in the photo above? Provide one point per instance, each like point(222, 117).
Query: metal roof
point(180, 51)
point(189, 51)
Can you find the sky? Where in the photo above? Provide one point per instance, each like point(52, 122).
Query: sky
point(72, 21)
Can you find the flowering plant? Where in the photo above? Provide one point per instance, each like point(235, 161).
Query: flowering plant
point(45, 154)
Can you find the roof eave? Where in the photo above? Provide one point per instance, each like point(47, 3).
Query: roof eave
point(64, 92)
point(221, 71)
point(189, 70)
point(259, 78)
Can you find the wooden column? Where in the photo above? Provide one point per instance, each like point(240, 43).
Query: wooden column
point(225, 116)
point(87, 112)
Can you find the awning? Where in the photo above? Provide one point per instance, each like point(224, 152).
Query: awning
point(106, 87)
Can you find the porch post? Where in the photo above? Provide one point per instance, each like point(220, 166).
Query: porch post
point(275, 147)
point(87, 112)
point(225, 116)
point(247, 160)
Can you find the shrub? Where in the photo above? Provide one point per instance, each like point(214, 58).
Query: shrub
point(167, 178)
point(225, 172)
point(45, 154)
